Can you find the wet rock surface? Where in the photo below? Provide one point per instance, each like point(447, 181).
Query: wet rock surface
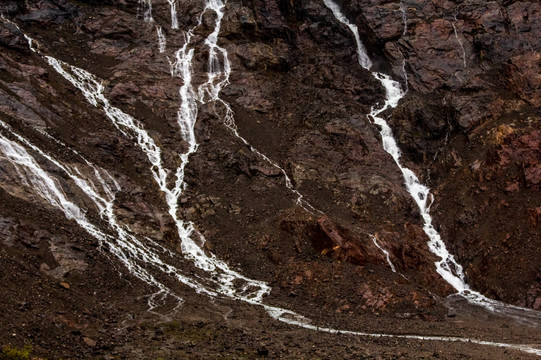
point(469, 127)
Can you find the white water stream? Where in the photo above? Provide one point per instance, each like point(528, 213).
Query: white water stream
point(404, 12)
point(131, 252)
point(219, 70)
point(229, 282)
point(463, 51)
point(174, 17)
point(145, 6)
point(447, 267)
point(250, 291)
point(300, 201)
point(162, 41)
point(385, 252)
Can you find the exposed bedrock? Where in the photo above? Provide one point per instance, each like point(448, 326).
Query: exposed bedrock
point(469, 127)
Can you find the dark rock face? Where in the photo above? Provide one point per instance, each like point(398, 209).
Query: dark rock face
point(469, 127)
point(473, 78)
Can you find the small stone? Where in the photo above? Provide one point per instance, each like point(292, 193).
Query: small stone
point(65, 285)
point(405, 315)
point(262, 351)
point(89, 341)
point(44, 267)
point(512, 187)
point(475, 166)
point(207, 246)
point(234, 209)
point(451, 313)
point(537, 304)
point(267, 170)
point(209, 212)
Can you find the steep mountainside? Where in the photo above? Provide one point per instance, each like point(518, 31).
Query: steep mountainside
point(202, 179)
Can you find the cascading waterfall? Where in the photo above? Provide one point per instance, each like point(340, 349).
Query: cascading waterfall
point(218, 78)
point(252, 291)
point(124, 246)
point(385, 252)
point(362, 55)
point(447, 267)
point(92, 90)
point(145, 6)
point(162, 41)
point(174, 17)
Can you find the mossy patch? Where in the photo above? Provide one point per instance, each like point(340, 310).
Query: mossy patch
point(9, 353)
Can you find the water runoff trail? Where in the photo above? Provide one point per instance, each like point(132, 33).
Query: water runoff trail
point(447, 266)
point(218, 78)
point(219, 278)
point(133, 254)
point(216, 279)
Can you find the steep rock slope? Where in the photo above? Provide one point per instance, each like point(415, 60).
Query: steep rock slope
point(472, 120)
point(300, 98)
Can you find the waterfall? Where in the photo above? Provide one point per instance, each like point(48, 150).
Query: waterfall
point(92, 89)
point(174, 17)
point(385, 252)
point(145, 6)
point(447, 266)
point(219, 279)
point(162, 41)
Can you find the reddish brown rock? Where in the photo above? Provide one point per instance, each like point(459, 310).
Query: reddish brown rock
point(525, 77)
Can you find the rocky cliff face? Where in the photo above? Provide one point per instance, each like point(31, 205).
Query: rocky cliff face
point(477, 64)
point(468, 126)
